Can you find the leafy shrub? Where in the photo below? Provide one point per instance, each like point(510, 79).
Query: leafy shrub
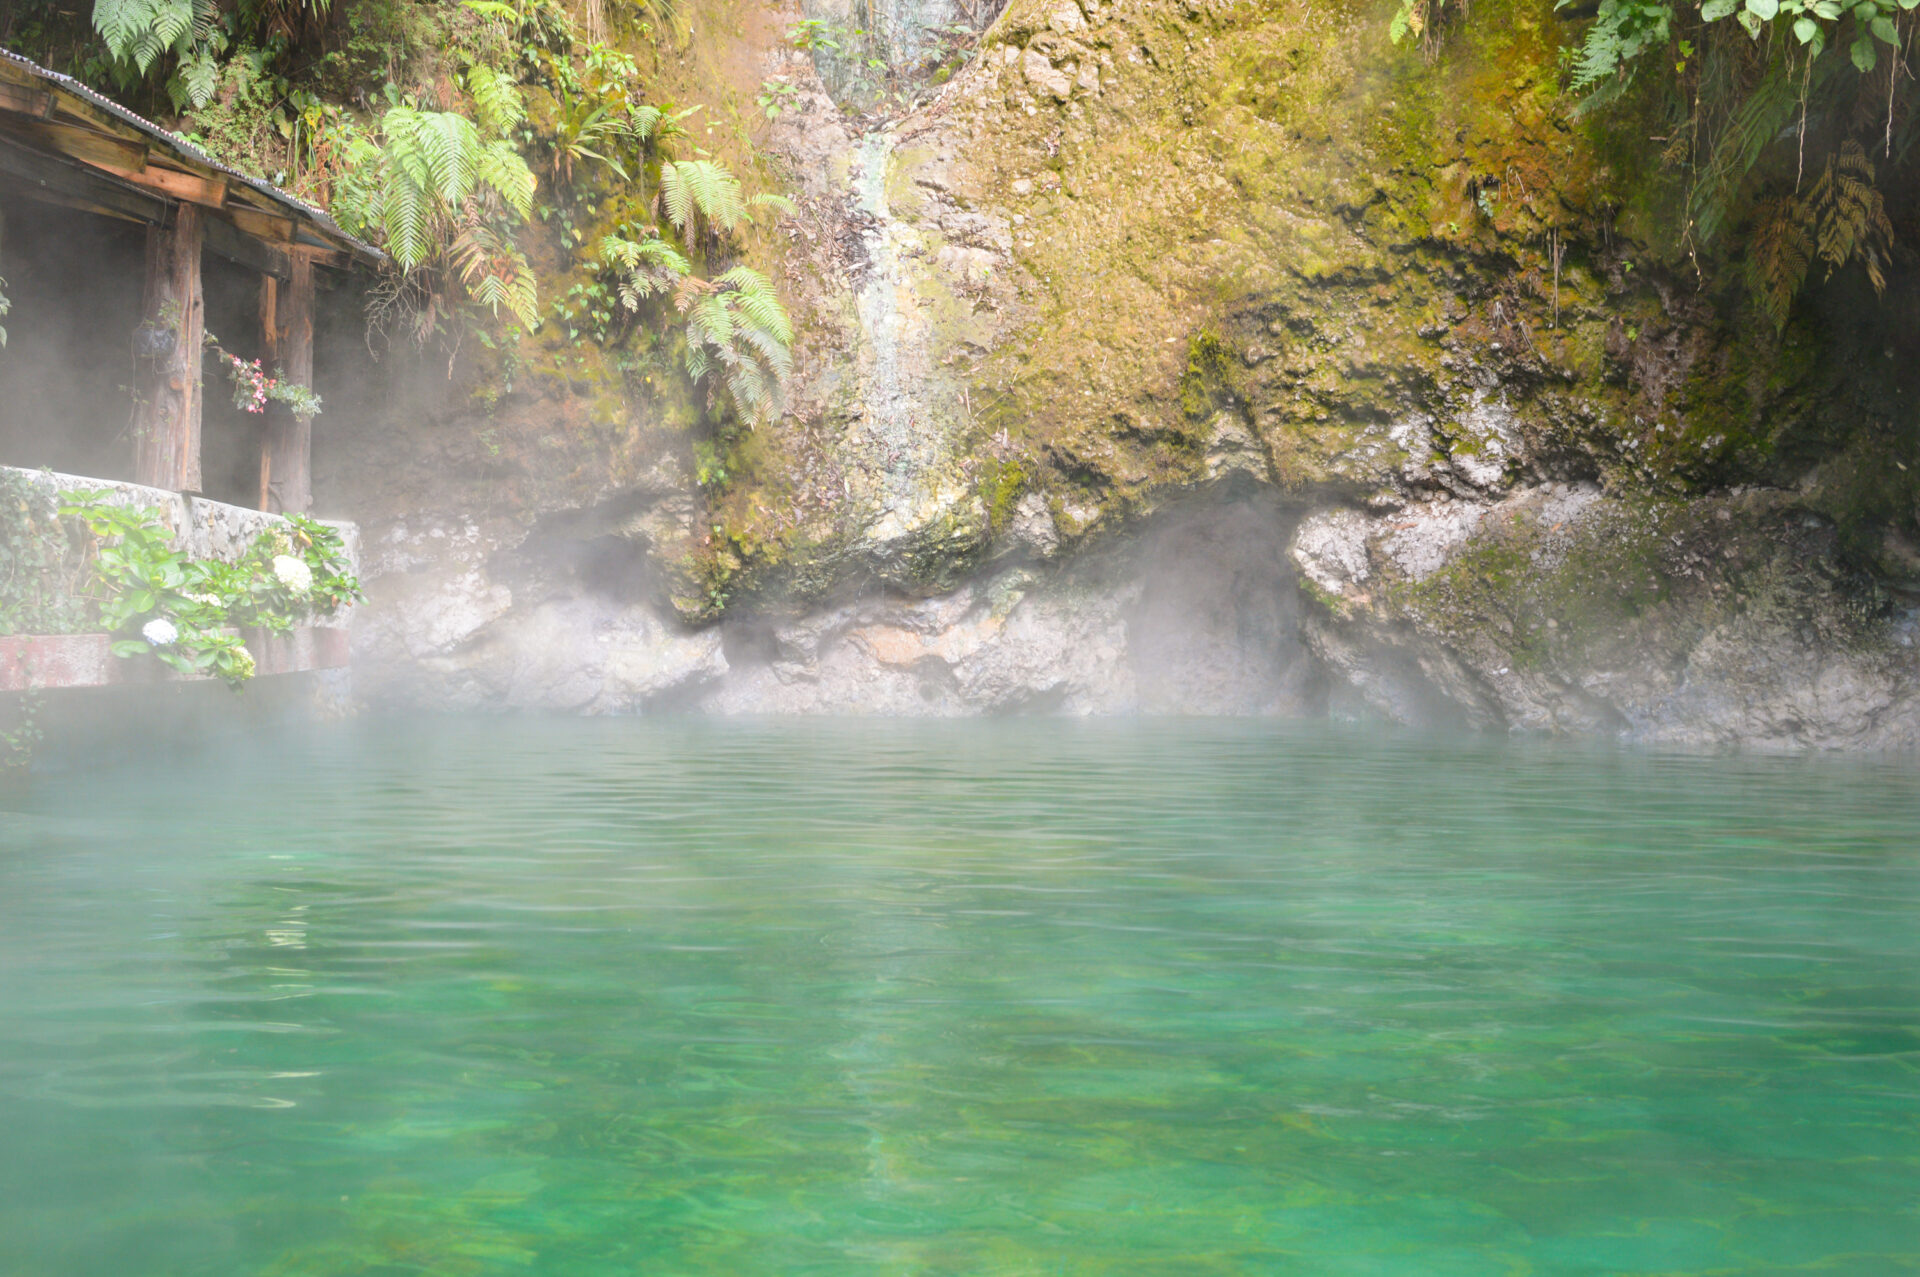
point(185, 611)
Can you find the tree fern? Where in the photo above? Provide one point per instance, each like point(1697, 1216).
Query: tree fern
point(139, 31)
point(1840, 218)
point(495, 273)
point(499, 168)
point(1738, 145)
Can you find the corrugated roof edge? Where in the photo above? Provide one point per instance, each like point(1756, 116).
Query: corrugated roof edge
point(187, 150)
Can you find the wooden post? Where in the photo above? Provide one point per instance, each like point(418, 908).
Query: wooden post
point(166, 419)
point(286, 460)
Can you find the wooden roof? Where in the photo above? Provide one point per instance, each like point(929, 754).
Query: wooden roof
point(64, 142)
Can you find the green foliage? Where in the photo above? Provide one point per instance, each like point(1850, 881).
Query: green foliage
point(497, 104)
point(597, 117)
point(186, 611)
point(810, 34)
point(186, 39)
point(1742, 99)
point(736, 325)
point(702, 197)
point(733, 324)
point(701, 190)
point(440, 172)
point(777, 96)
point(252, 388)
point(19, 731)
point(1420, 20)
point(441, 193)
point(140, 31)
point(641, 267)
point(1621, 32)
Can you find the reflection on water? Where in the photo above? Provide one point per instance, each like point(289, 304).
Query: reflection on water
point(1027, 997)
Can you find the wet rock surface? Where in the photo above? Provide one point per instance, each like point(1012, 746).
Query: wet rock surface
point(1553, 609)
point(1138, 376)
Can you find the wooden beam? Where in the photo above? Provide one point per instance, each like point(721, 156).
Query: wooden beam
point(271, 339)
point(87, 206)
point(275, 230)
point(230, 242)
point(166, 416)
point(125, 159)
point(322, 253)
point(25, 100)
point(43, 176)
point(189, 188)
point(286, 467)
point(89, 146)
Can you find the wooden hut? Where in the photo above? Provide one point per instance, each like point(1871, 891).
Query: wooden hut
point(96, 168)
point(118, 242)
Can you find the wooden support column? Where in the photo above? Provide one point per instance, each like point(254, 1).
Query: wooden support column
point(166, 418)
point(286, 456)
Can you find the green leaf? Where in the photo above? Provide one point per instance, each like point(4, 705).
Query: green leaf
point(1862, 53)
point(1714, 10)
point(1883, 27)
point(1752, 24)
point(1765, 10)
point(129, 647)
point(1805, 29)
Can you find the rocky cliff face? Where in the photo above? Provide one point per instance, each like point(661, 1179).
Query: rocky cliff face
point(1196, 357)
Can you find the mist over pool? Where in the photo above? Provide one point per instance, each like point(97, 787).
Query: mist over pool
point(1007, 996)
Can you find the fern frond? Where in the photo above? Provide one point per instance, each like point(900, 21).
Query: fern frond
point(642, 121)
point(699, 363)
point(1778, 255)
point(496, 100)
point(778, 202)
point(403, 217)
point(500, 167)
point(676, 194)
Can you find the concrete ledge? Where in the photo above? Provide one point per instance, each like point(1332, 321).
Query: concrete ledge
point(33, 662)
point(204, 529)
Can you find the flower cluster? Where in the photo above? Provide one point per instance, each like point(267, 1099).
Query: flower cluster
point(160, 632)
point(293, 573)
point(251, 386)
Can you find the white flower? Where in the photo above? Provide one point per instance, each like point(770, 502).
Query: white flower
point(159, 632)
point(208, 600)
point(293, 573)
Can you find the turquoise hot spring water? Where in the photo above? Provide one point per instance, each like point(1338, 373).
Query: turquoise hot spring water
point(533, 996)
